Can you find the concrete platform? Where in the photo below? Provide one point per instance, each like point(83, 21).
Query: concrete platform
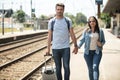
point(9, 34)
point(110, 62)
point(9, 37)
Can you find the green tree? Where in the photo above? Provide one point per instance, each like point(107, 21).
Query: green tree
point(43, 17)
point(19, 16)
point(72, 17)
point(106, 18)
point(80, 19)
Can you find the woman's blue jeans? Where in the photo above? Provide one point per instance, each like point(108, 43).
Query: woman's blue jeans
point(93, 61)
point(62, 55)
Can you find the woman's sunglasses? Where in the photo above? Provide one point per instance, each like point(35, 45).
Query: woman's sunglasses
point(90, 21)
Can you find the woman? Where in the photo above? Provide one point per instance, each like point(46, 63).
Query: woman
point(93, 37)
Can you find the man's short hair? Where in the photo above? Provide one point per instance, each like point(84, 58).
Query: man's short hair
point(60, 4)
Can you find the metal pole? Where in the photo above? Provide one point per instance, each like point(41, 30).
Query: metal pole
point(3, 19)
point(12, 23)
point(31, 13)
point(11, 18)
point(98, 10)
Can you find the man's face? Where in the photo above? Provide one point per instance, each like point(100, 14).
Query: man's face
point(59, 10)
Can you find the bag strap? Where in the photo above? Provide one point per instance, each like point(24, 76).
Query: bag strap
point(68, 23)
point(53, 22)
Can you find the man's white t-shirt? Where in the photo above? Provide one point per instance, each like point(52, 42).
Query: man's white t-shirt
point(61, 37)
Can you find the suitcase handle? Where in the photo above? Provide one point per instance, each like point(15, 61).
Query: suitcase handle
point(45, 59)
point(47, 55)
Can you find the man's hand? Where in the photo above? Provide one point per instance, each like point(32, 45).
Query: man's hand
point(47, 52)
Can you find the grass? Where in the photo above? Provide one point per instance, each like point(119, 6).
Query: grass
point(14, 29)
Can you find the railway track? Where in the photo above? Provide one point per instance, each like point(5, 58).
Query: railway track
point(25, 66)
point(18, 49)
point(19, 43)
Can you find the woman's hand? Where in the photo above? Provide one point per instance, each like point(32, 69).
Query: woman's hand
point(75, 50)
point(99, 43)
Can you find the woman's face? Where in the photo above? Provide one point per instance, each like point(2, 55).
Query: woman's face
point(92, 22)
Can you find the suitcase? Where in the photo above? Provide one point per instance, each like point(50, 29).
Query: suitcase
point(48, 71)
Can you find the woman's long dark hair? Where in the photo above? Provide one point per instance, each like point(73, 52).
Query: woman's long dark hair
point(96, 26)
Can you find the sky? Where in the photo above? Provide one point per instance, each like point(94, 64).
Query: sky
point(47, 7)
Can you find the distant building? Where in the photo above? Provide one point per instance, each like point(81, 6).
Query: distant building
point(113, 8)
point(7, 17)
point(7, 22)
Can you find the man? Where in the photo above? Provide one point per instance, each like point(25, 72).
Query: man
point(58, 33)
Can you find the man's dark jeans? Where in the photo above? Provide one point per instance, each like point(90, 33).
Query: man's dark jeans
point(93, 61)
point(60, 55)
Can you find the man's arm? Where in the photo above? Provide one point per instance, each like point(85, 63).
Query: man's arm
point(73, 37)
point(74, 40)
point(49, 41)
